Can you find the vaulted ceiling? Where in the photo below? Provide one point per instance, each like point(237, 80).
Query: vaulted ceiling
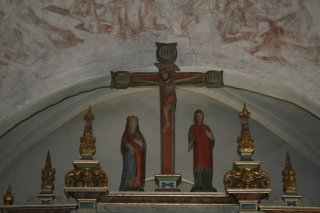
point(52, 51)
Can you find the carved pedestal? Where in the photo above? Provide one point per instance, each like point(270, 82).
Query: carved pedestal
point(168, 182)
point(248, 184)
point(291, 199)
point(249, 198)
point(46, 198)
point(87, 183)
point(87, 197)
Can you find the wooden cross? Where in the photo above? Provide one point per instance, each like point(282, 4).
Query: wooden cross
point(167, 78)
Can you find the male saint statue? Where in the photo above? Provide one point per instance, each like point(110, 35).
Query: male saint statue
point(201, 140)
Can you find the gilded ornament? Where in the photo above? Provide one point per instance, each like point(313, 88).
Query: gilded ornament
point(48, 176)
point(87, 140)
point(87, 145)
point(245, 142)
point(87, 172)
point(247, 178)
point(86, 177)
point(289, 180)
point(8, 197)
point(245, 112)
point(289, 177)
point(246, 174)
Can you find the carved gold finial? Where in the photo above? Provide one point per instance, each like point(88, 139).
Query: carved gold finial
point(89, 116)
point(48, 176)
point(8, 197)
point(246, 146)
point(244, 113)
point(87, 141)
point(289, 177)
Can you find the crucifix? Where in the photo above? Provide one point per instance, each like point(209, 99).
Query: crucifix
point(167, 78)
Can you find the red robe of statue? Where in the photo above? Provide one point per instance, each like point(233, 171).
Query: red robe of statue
point(202, 147)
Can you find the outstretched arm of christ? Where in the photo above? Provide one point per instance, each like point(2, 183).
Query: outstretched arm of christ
point(189, 78)
point(145, 78)
point(125, 79)
point(155, 78)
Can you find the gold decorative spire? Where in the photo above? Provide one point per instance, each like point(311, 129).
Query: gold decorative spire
point(87, 141)
point(8, 197)
point(289, 177)
point(48, 176)
point(87, 172)
point(246, 181)
point(245, 140)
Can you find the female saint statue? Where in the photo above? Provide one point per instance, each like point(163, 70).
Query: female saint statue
point(133, 150)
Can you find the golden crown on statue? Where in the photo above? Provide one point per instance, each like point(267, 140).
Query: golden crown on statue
point(132, 118)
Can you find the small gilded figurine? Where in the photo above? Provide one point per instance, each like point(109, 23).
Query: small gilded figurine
point(8, 197)
point(201, 140)
point(47, 176)
point(133, 150)
point(87, 141)
point(245, 140)
point(289, 177)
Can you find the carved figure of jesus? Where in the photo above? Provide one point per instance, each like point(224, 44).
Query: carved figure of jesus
point(168, 97)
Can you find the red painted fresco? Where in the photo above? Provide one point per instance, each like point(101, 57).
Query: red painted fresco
point(44, 37)
point(272, 28)
point(3, 62)
point(59, 37)
point(126, 18)
point(276, 31)
point(234, 23)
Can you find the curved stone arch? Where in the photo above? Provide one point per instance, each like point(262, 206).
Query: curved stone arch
point(24, 136)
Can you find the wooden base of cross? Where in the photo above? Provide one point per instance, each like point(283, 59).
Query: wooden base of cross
point(167, 182)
